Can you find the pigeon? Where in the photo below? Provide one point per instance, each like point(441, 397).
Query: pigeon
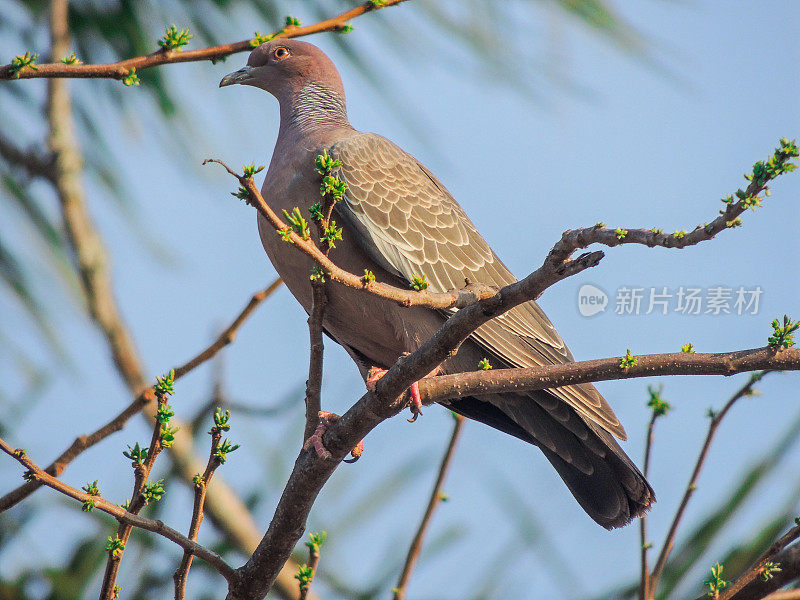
point(400, 222)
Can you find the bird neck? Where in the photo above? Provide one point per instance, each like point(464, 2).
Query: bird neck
point(313, 107)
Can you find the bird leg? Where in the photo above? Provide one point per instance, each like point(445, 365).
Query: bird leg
point(414, 402)
point(326, 419)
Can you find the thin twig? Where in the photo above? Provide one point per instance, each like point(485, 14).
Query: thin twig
point(229, 334)
point(201, 483)
point(120, 514)
point(315, 365)
point(121, 69)
point(758, 567)
point(34, 163)
point(313, 564)
point(433, 502)
point(85, 442)
point(137, 502)
point(644, 582)
point(716, 419)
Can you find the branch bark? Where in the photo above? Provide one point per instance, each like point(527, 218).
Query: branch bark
point(756, 569)
point(498, 381)
point(314, 382)
point(225, 508)
point(433, 502)
point(669, 541)
point(121, 69)
point(85, 442)
point(309, 475)
point(119, 513)
point(789, 561)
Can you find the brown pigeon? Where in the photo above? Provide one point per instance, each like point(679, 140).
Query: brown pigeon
point(400, 222)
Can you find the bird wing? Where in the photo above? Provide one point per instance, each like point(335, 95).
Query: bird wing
point(412, 226)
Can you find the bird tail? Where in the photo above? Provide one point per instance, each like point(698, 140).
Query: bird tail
point(604, 481)
point(614, 492)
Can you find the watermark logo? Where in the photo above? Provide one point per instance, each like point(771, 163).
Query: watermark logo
point(684, 300)
point(591, 300)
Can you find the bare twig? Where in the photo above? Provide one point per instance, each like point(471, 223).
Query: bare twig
point(84, 442)
point(123, 68)
point(433, 502)
point(229, 334)
point(716, 419)
point(644, 582)
point(120, 514)
point(31, 161)
point(758, 567)
point(201, 483)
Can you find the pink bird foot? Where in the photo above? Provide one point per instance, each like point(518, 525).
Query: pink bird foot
point(326, 419)
point(415, 401)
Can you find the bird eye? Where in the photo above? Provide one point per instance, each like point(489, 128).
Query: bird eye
point(280, 53)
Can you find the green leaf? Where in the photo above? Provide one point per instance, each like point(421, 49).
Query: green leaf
point(21, 62)
point(419, 282)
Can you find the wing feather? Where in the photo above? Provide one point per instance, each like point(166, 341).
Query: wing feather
point(413, 226)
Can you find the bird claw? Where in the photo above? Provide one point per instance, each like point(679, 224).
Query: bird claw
point(326, 419)
point(414, 402)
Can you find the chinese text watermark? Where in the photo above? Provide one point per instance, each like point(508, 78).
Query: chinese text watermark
point(685, 300)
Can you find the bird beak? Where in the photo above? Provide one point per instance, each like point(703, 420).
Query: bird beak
point(241, 76)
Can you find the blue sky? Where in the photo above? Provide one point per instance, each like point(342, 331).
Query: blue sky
point(639, 149)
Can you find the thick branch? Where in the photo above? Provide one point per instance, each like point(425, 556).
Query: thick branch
point(309, 475)
point(757, 568)
point(496, 381)
point(789, 561)
point(123, 516)
point(121, 69)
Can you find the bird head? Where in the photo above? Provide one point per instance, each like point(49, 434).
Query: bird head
point(283, 67)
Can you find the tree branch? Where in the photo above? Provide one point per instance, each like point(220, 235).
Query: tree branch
point(121, 515)
point(789, 561)
point(310, 473)
point(85, 442)
point(201, 483)
point(498, 381)
point(659, 409)
point(142, 470)
point(758, 567)
point(433, 502)
point(123, 68)
point(31, 161)
point(314, 383)
point(716, 419)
